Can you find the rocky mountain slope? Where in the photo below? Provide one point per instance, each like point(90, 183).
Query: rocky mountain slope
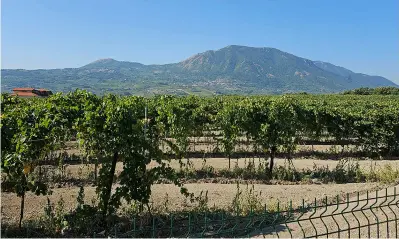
point(230, 70)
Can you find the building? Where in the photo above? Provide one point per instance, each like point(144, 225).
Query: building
point(31, 92)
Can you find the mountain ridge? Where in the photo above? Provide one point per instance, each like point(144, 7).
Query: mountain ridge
point(233, 69)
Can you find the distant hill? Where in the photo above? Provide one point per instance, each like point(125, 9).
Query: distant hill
point(230, 70)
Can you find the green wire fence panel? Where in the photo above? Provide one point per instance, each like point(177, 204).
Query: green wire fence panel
point(367, 215)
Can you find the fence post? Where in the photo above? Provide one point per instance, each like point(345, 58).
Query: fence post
point(300, 216)
point(375, 216)
point(357, 204)
point(343, 215)
point(322, 213)
point(311, 216)
point(171, 225)
point(394, 213)
point(134, 227)
point(288, 218)
point(382, 206)
point(189, 224)
point(362, 210)
point(153, 227)
point(336, 223)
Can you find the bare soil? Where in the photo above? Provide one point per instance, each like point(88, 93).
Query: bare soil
point(81, 171)
point(219, 195)
point(72, 148)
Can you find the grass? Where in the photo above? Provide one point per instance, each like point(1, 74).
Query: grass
point(387, 174)
point(244, 170)
point(346, 171)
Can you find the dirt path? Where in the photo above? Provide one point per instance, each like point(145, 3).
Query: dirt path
point(77, 171)
point(210, 147)
point(220, 195)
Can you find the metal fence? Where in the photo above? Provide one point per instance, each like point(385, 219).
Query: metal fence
point(363, 215)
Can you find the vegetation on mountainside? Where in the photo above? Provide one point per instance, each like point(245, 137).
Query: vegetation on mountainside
point(230, 70)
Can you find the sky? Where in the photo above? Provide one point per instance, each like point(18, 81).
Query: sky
point(361, 35)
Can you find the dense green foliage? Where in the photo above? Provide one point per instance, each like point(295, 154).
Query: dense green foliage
point(230, 70)
point(373, 91)
point(30, 130)
point(116, 129)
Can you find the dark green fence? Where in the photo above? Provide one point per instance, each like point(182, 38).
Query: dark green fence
point(363, 215)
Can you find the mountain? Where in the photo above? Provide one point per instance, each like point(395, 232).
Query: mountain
point(230, 70)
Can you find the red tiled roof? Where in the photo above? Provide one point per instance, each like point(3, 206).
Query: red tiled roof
point(31, 92)
point(23, 89)
point(25, 94)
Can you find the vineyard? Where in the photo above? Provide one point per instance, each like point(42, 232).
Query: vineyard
point(128, 146)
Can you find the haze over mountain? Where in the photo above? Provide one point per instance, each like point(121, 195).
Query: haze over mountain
point(230, 70)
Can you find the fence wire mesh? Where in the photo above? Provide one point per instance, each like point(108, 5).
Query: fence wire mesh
point(373, 214)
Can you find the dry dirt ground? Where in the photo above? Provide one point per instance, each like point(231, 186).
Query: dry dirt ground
point(72, 148)
point(219, 195)
point(78, 171)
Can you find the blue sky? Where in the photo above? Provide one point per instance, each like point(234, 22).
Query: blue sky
point(361, 35)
